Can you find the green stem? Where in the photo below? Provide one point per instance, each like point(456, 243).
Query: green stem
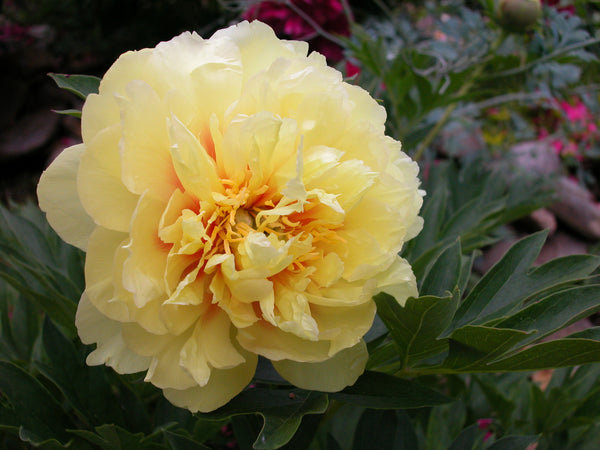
point(467, 85)
point(548, 57)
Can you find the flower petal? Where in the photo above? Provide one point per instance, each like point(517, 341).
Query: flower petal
point(95, 328)
point(100, 172)
point(222, 386)
point(58, 198)
point(145, 158)
point(331, 375)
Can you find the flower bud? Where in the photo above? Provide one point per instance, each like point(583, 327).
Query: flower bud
point(518, 15)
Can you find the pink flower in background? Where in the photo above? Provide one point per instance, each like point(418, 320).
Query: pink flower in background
point(571, 127)
point(287, 23)
point(575, 110)
point(561, 6)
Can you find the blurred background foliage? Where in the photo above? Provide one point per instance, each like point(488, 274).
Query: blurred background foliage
point(500, 106)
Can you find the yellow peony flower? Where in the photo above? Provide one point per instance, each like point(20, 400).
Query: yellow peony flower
point(235, 198)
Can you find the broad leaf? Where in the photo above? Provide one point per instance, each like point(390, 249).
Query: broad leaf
point(415, 326)
point(80, 85)
point(282, 411)
point(32, 405)
point(381, 391)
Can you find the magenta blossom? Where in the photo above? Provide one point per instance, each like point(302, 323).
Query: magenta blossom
point(325, 14)
point(562, 6)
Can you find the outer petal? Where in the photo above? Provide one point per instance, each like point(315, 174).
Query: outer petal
point(58, 198)
point(99, 273)
point(274, 344)
point(331, 375)
point(222, 386)
point(95, 328)
point(259, 46)
point(101, 190)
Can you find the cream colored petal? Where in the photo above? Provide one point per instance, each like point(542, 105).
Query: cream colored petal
point(165, 370)
point(100, 266)
point(295, 315)
point(134, 65)
point(329, 269)
point(241, 313)
point(95, 328)
point(363, 258)
point(145, 157)
point(192, 163)
point(269, 341)
point(258, 45)
point(102, 193)
point(331, 375)
point(144, 269)
point(349, 181)
point(58, 198)
point(98, 112)
point(210, 347)
point(217, 84)
point(342, 293)
point(148, 316)
point(222, 386)
point(343, 326)
point(398, 281)
point(143, 342)
point(365, 108)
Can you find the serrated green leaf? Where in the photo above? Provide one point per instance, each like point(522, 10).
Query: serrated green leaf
point(415, 326)
point(32, 405)
point(381, 391)
point(80, 85)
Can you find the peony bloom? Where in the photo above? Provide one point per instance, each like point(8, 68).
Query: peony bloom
point(235, 198)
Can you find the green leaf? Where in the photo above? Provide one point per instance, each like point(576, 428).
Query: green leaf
point(31, 404)
point(472, 347)
point(179, 441)
point(415, 326)
point(376, 429)
point(514, 263)
point(445, 424)
point(112, 437)
point(381, 391)
point(69, 112)
point(468, 439)
point(85, 388)
point(513, 443)
point(554, 312)
point(81, 85)
point(282, 411)
point(444, 274)
point(548, 355)
point(503, 406)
